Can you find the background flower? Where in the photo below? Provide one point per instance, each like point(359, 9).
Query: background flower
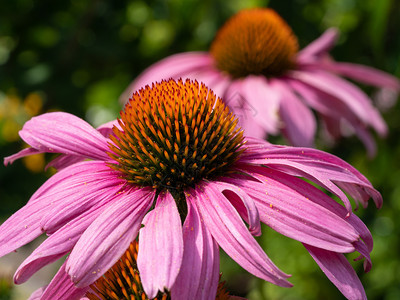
point(81, 55)
point(255, 65)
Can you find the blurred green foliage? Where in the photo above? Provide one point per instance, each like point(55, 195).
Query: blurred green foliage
point(78, 56)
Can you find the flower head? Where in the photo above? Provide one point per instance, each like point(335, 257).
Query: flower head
point(255, 65)
point(174, 135)
point(255, 41)
point(124, 182)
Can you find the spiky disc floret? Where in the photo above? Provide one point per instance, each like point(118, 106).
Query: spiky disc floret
point(174, 134)
point(255, 41)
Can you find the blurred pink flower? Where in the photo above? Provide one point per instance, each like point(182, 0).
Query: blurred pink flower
point(254, 65)
point(176, 172)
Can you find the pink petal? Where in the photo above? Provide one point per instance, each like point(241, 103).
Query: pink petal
point(59, 132)
point(63, 179)
point(364, 253)
point(227, 228)
point(175, 66)
point(367, 139)
point(333, 111)
point(243, 204)
point(242, 109)
point(311, 97)
point(339, 271)
point(160, 246)
point(24, 152)
point(60, 243)
point(62, 288)
point(332, 127)
point(67, 178)
point(87, 194)
point(198, 277)
point(320, 46)
point(63, 161)
point(22, 227)
point(36, 295)
point(106, 129)
point(320, 175)
point(348, 93)
point(363, 74)
point(260, 99)
point(295, 215)
point(299, 121)
point(318, 166)
point(318, 197)
point(108, 237)
point(215, 80)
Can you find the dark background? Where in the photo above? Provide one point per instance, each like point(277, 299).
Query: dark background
point(78, 57)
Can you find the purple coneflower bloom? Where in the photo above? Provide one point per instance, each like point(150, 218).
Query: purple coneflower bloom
point(176, 172)
point(255, 66)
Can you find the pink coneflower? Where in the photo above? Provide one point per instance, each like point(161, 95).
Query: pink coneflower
point(255, 66)
point(177, 174)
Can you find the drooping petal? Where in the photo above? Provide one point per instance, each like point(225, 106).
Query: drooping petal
point(75, 187)
point(318, 197)
point(320, 46)
point(75, 174)
point(59, 132)
point(62, 288)
point(300, 123)
point(60, 242)
point(229, 231)
point(213, 78)
point(363, 74)
point(315, 165)
point(315, 100)
point(91, 194)
point(22, 227)
point(334, 111)
point(106, 129)
point(295, 215)
point(174, 66)
point(160, 246)
point(351, 95)
point(332, 127)
point(302, 169)
point(198, 276)
point(339, 271)
point(243, 110)
point(244, 205)
point(63, 161)
point(108, 237)
point(36, 295)
point(262, 101)
point(364, 253)
point(24, 152)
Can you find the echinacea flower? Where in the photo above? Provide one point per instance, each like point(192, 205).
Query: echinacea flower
point(255, 66)
point(176, 173)
point(120, 282)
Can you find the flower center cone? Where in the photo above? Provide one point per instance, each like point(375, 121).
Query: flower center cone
point(255, 41)
point(174, 134)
